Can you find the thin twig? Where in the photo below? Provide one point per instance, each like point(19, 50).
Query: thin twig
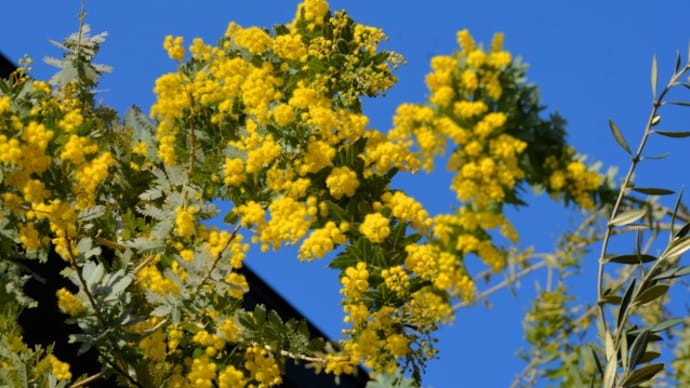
point(508, 281)
point(87, 380)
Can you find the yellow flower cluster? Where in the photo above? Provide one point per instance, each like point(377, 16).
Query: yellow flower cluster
point(407, 209)
point(69, 303)
point(442, 268)
point(77, 148)
point(397, 344)
point(212, 343)
point(185, 226)
point(262, 367)
point(577, 181)
point(29, 237)
point(153, 345)
point(428, 308)
point(338, 365)
point(202, 372)
point(342, 181)
point(396, 279)
point(318, 156)
point(289, 222)
point(313, 12)
point(377, 340)
point(355, 281)
point(238, 285)
point(5, 102)
point(234, 172)
point(89, 176)
point(230, 330)
point(323, 240)
point(231, 377)
point(172, 100)
point(71, 120)
point(174, 336)
point(375, 227)
point(63, 219)
point(485, 158)
point(59, 369)
point(151, 278)
point(173, 45)
point(290, 46)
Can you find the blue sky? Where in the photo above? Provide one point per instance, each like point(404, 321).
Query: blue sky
point(590, 59)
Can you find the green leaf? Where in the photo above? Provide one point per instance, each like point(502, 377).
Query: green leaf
point(619, 137)
point(632, 259)
point(653, 191)
point(120, 283)
point(680, 103)
point(628, 217)
point(676, 67)
point(657, 157)
point(673, 133)
point(676, 247)
point(683, 231)
point(625, 302)
point(667, 324)
point(611, 299)
point(651, 293)
point(655, 76)
point(672, 273)
point(682, 271)
point(231, 218)
point(596, 360)
point(675, 215)
point(610, 374)
point(638, 348)
point(649, 356)
point(161, 311)
point(643, 374)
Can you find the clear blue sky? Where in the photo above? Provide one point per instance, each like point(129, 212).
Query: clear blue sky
point(591, 60)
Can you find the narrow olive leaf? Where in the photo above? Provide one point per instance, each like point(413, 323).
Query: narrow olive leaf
point(676, 247)
point(653, 191)
point(596, 360)
point(619, 136)
point(676, 67)
point(683, 231)
point(610, 374)
point(628, 217)
point(682, 271)
point(680, 103)
point(667, 324)
point(609, 347)
point(672, 273)
point(625, 302)
point(643, 374)
point(675, 134)
point(649, 356)
point(651, 293)
point(632, 259)
point(675, 215)
point(623, 352)
point(638, 348)
point(657, 157)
